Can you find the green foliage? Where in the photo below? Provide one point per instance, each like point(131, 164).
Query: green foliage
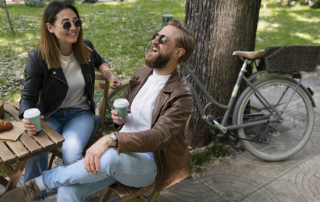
point(217, 149)
point(34, 3)
point(69, 1)
point(1, 4)
point(90, 1)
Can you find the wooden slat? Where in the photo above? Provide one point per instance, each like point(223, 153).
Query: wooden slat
point(12, 111)
point(99, 85)
point(43, 140)
point(56, 137)
point(99, 77)
point(5, 153)
point(17, 148)
point(16, 105)
point(29, 142)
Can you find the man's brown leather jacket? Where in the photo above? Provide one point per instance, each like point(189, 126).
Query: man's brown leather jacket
point(166, 136)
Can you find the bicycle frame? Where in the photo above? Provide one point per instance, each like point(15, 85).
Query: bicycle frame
point(222, 127)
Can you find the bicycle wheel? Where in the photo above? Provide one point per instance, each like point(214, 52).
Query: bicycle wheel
point(278, 140)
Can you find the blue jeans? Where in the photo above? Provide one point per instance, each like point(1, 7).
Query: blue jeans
point(131, 169)
point(76, 126)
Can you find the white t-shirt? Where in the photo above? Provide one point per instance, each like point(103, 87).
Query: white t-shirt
point(143, 104)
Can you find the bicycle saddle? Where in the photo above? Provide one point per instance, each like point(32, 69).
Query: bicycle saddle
point(250, 54)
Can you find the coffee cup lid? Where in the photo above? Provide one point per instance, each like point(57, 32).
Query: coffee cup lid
point(31, 113)
point(121, 102)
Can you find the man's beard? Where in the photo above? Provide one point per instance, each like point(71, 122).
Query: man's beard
point(157, 61)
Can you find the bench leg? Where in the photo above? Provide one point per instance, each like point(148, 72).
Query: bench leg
point(106, 196)
point(14, 178)
point(154, 195)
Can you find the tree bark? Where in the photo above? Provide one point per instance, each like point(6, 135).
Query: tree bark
point(8, 17)
point(220, 28)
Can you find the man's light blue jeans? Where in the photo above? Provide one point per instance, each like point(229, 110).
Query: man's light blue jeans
point(131, 169)
point(76, 126)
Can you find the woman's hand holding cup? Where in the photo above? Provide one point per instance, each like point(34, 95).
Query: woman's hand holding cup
point(31, 121)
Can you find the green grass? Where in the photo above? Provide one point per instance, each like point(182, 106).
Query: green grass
point(282, 25)
point(119, 32)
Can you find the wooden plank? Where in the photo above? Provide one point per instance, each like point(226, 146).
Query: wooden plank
point(12, 111)
point(16, 105)
point(99, 85)
point(56, 137)
point(43, 140)
point(29, 142)
point(5, 153)
point(99, 77)
point(17, 148)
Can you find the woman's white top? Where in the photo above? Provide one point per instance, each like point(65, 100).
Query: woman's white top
point(76, 96)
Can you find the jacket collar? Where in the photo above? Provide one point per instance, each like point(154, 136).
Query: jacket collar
point(164, 95)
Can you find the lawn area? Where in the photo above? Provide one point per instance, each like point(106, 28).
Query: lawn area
point(119, 32)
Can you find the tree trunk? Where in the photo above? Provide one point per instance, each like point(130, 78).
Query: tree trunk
point(220, 28)
point(8, 17)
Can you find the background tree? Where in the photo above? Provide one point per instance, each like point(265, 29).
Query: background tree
point(220, 27)
point(8, 17)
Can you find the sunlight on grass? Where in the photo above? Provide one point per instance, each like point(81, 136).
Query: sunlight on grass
point(119, 31)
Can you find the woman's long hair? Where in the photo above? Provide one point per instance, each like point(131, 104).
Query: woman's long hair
point(48, 43)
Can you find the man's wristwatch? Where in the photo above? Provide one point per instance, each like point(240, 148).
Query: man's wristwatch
point(115, 139)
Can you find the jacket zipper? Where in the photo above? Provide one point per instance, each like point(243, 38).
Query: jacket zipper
point(64, 97)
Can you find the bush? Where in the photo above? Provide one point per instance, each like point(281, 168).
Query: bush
point(314, 4)
point(68, 1)
point(34, 3)
point(90, 1)
point(1, 4)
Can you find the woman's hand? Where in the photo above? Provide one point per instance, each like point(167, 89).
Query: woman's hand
point(118, 119)
point(116, 83)
point(29, 128)
point(91, 160)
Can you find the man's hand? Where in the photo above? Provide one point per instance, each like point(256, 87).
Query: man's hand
point(29, 128)
point(118, 119)
point(91, 161)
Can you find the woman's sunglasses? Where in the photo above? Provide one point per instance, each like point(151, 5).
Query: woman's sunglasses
point(67, 25)
point(162, 39)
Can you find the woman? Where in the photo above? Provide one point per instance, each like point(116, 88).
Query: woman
point(59, 81)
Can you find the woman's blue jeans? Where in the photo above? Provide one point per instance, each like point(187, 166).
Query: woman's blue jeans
point(76, 126)
point(131, 169)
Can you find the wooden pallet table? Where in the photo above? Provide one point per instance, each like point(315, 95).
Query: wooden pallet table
point(11, 152)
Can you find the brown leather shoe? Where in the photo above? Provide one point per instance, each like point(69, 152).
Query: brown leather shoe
point(24, 193)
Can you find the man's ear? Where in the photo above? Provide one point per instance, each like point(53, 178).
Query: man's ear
point(49, 27)
point(179, 52)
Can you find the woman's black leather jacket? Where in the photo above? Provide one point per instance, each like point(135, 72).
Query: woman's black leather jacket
point(47, 89)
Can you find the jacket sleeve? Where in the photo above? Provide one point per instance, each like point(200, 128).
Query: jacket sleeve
point(171, 121)
point(33, 83)
point(98, 60)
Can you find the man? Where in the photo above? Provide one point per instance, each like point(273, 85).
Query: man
point(149, 146)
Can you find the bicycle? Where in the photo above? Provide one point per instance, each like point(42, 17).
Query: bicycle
point(273, 116)
point(263, 117)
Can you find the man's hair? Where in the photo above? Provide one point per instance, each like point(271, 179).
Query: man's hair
point(184, 40)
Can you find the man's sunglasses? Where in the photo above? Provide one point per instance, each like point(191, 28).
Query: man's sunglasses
point(162, 39)
point(67, 25)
